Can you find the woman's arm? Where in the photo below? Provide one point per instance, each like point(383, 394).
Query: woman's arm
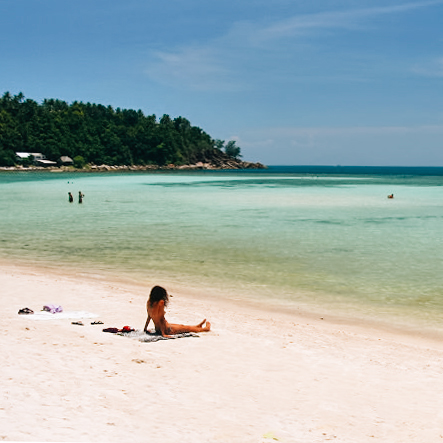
point(147, 323)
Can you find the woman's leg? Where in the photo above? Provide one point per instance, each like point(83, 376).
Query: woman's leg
point(180, 329)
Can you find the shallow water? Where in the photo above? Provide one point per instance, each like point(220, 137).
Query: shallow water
point(326, 242)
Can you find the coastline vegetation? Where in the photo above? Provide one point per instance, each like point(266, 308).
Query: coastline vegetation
point(95, 134)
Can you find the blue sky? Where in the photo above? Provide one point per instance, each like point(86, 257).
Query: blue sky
point(322, 82)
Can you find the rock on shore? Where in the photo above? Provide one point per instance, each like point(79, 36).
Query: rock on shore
point(215, 164)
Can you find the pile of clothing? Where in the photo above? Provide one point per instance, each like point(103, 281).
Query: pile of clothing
point(53, 309)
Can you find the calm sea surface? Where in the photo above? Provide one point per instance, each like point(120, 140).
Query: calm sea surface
point(325, 239)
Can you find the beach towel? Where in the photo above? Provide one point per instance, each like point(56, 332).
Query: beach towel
point(148, 337)
point(46, 315)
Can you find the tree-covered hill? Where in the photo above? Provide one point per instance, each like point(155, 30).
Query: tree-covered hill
point(102, 135)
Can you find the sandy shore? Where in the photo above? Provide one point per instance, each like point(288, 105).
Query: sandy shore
point(257, 377)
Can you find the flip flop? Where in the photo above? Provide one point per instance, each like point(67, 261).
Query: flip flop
point(111, 330)
point(77, 323)
point(25, 311)
point(97, 323)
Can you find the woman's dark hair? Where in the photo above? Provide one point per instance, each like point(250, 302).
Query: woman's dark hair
point(158, 293)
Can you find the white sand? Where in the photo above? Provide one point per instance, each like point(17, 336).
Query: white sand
point(257, 377)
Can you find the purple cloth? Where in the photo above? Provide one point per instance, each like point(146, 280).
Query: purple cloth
point(53, 309)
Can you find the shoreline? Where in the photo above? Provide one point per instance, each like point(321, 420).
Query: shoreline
point(204, 293)
point(258, 376)
point(225, 165)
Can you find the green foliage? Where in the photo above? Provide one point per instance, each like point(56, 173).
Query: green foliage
point(79, 162)
point(232, 150)
point(218, 144)
point(98, 134)
point(7, 157)
point(26, 162)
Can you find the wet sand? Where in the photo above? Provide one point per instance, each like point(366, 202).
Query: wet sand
point(258, 376)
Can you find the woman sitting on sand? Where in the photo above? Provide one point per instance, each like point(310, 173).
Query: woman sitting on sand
point(155, 306)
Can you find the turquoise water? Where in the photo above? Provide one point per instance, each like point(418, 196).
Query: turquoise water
point(330, 243)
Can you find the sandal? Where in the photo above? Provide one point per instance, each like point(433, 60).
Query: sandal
point(111, 330)
point(97, 323)
point(77, 323)
point(25, 311)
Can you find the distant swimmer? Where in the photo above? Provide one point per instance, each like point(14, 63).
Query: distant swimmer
point(71, 198)
point(80, 196)
point(391, 196)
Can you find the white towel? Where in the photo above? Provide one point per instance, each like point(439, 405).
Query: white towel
point(44, 315)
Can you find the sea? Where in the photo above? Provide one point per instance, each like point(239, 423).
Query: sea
point(323, 240)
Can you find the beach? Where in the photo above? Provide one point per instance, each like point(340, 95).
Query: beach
point(260, 375)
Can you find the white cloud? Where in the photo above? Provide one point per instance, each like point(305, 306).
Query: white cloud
point(382, 145)
point(347, 19)
point(355, 130)
point(198, 68)
point(433, 68)
point(220, 63)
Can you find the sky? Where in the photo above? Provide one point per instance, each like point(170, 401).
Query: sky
point(293, 82)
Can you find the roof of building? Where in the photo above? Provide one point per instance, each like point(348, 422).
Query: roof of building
point(46, 162)
point(28, 154)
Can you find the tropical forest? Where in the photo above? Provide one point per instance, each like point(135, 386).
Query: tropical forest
point(97, 134)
